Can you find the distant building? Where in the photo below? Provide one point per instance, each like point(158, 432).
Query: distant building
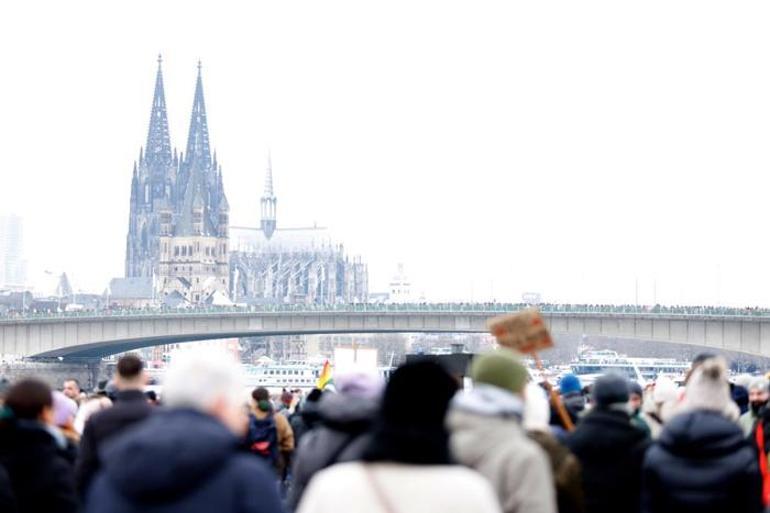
point(292, 265)
point(400, 287)
point(179, 214)
point(131, 293)
point(179, 233)
point(13, 272)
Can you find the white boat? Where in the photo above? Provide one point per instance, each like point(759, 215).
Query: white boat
point(277, 376)
point(591, 364)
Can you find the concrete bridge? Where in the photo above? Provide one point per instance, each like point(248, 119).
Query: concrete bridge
point(93, 335)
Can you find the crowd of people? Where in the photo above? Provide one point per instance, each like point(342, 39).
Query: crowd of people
point(414, 444)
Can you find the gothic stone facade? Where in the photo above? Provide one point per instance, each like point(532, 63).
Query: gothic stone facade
point(179, 215)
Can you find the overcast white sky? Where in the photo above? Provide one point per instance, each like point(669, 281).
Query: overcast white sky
point(568, 148)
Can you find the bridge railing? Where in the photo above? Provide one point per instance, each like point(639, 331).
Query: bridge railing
point(487, 308)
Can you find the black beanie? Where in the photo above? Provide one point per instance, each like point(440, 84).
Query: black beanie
point(610, 389)
point(410, 427)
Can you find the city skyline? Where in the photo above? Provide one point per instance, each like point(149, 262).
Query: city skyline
point(642, 159)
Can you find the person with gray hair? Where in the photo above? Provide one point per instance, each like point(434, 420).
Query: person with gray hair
point(186, 458)
point(759, 393)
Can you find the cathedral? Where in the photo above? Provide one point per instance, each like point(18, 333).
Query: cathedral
point(179, 232)
point(179, 215)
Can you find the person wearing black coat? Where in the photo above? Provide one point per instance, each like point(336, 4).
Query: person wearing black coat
point(32, 451)
point(342, 433)
point(131, 406)
point(187, 457)
point(702, 462)
point(7, 500)
point(306, 416)
point(610, 450)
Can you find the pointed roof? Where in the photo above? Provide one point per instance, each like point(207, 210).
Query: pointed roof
point(158, 139)
point(198, 138)
point(269, 177)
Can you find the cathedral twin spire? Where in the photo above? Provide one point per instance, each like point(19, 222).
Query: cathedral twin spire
point(158, 141)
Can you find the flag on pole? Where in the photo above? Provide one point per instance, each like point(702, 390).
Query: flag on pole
point(325, 378)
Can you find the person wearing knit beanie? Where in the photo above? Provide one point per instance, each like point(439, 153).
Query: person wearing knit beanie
point(570, 384)
point(571, 393)
point(487, 434)
point(611, 392)
point(702, 461)
point(708, 389)
point(610, 449)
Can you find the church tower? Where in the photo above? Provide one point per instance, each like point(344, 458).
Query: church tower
point(152, 187)
point(194, 261)
point(268, 202)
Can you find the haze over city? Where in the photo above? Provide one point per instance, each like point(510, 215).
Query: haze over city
point(494, 149)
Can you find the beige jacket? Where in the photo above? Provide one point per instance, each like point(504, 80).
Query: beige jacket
point(496, 446)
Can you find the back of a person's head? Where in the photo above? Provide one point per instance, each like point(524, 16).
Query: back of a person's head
point(130, 367)
point(409, 430)
point(199, 380)
point(610, 391)
point(359, 383)
point(708, 388)
point(260, 394)
point(501, 369)
point(28, 398)
point(425, 379)
point(570, 384)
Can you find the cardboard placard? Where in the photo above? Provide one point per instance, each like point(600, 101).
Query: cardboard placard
point(523, 331)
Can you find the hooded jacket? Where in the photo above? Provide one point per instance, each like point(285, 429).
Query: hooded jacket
point(40, 474)
point(181, 461)
point(611, 452)
point(701, 462)
point(340, 437)
point(486, 435)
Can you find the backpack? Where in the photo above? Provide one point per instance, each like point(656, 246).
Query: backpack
point(262, 439)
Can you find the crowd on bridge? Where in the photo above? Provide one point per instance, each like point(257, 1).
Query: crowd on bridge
point(481, 307)
point(417, 443)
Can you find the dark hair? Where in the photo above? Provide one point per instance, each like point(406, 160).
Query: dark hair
point(314, 395)
point(27, 399)
point(260, 394)
point(410, 431)
point(151, 395)
point(129, 366)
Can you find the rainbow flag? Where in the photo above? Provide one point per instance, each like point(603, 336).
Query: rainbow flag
point(325, 377)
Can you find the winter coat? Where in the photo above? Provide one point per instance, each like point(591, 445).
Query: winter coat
point(486, 435)
point(566, 472)
point(304, 419)
point(611, 452)
point(701, 463)
point(339, 437)
point(130, 407)
point(181, 461)
point(398, 488)
point(40, 474)
point(7, 500)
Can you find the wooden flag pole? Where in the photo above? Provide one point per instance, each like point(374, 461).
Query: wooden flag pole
point(566, 420)
point(526, 332)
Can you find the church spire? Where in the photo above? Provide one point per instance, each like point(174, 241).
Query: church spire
point(198, 139)
point(158, 141)
point(269, 176)
point(268, 202)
